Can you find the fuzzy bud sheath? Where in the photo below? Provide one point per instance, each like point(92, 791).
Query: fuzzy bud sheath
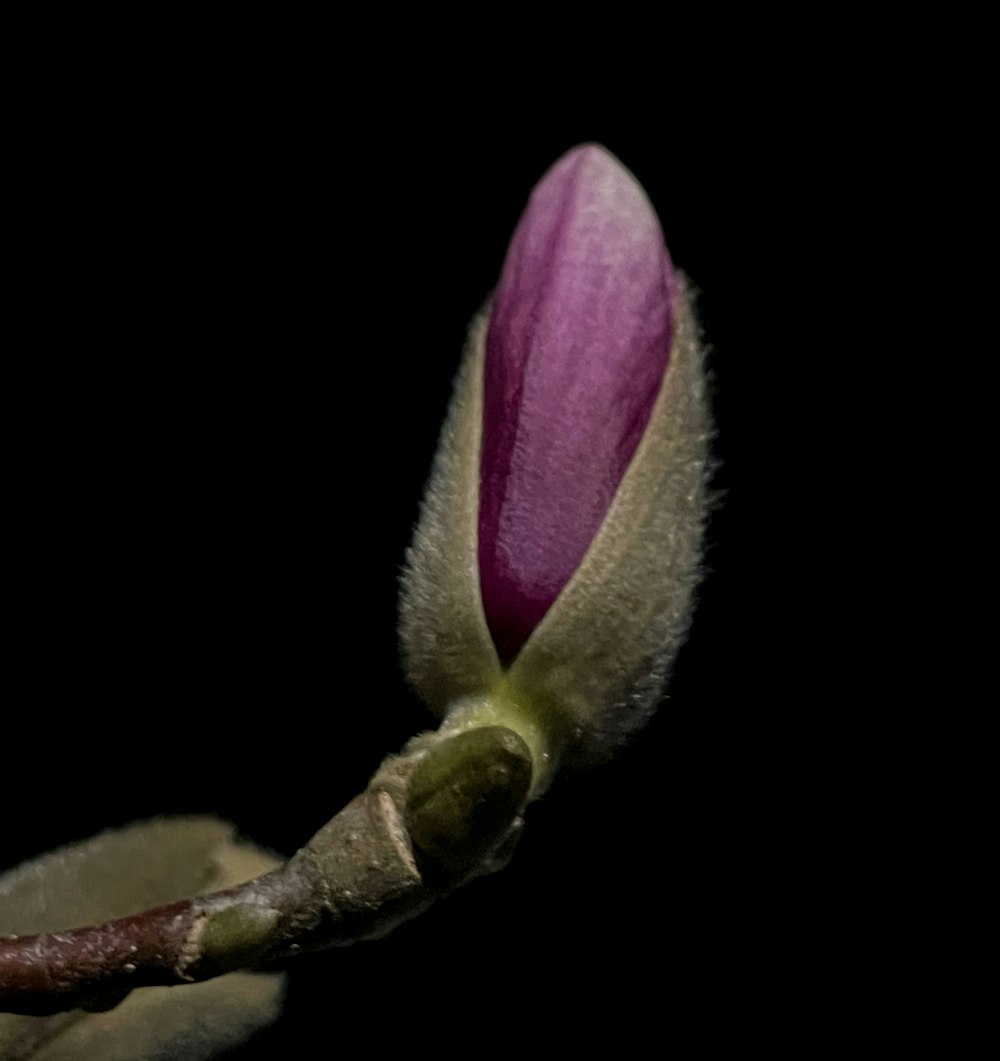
point(550, 580)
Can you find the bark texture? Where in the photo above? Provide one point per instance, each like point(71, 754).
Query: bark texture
point(357, 878)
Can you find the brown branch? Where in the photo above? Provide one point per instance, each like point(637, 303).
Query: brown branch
point(430, 819)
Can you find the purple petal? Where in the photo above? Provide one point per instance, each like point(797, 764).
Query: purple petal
point(578, 342)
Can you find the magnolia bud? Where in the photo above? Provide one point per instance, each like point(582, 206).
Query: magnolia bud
point(550, 579)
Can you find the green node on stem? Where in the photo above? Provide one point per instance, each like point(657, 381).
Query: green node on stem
point(466, 792)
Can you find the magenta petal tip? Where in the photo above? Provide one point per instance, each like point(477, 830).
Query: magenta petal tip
point(579, 339)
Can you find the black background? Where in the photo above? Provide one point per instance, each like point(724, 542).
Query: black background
point(240, 325)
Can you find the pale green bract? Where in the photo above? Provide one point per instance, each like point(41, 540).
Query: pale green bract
point(125, 871)
point(593, 670)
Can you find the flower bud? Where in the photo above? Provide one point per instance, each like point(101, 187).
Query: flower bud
point(550, 579)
